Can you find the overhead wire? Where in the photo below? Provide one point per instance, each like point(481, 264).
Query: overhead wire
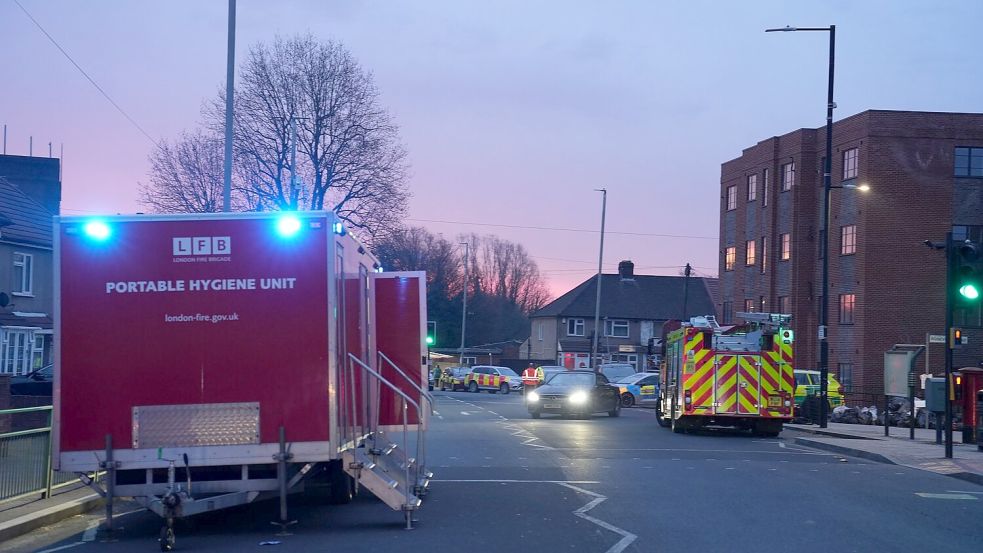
point(86, 75)
point(562, 229)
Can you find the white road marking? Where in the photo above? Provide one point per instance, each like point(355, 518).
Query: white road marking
point(957, 491)
point(62, 547)
point(626, 537)
point(946, 496)
point(763, 452)
point(465, 413)
point(493, 481)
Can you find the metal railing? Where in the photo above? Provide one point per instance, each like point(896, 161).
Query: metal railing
point(406, 401)
point(425, 395)
point(25, 460)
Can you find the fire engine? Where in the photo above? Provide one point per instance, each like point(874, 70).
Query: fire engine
point(736, 375)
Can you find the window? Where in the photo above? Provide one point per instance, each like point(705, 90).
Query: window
point(764, 189)
point(37, 359)
point(731, 198)
point(749, 253)
point(762, 304)
point(850, 163)
point(845, 374)
point(785, 305)
point(575, 327)
point(786, 246)
point(969, 162)
point(749, 306)
point(788, 176)
point(16, 352)
point(23, 273)
point(616, 328)
point(728, 311)
point(764, 253)
point(730, 257)
point(847, 304)
point(848, 240)
point(752, 188)
point(469, 360)
point(539, 330)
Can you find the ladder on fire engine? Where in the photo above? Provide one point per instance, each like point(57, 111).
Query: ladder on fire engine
point(382, 463)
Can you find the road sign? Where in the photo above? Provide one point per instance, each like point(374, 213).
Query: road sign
point(936, 338)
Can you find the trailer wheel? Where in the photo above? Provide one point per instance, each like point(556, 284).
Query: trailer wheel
point(504, 388)
point(166, 538)
point(473, 387)
point(342, 486)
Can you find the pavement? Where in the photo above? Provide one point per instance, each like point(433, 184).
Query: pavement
point(505, 482)
point(20, 516)
point(869, 442)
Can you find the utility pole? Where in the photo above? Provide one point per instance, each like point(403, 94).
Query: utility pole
point(686, 273)
point(950, 257)
point(464, 308)
point(600, 260)
point(229, 91)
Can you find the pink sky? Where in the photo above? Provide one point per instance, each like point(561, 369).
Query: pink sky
point(512, 112)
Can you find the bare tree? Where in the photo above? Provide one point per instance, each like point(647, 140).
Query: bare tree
point(349, 156)
point(505, 270)
point(186, 176)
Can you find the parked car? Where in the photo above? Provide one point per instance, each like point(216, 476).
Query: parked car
point(617, 371)
point(494, 379)
point(575, 393)
point(639, 389)
point(35, 383)
point(807, 384)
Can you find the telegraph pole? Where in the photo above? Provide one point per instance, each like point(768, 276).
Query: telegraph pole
point(686, 273)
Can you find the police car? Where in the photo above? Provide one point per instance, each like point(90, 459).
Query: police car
point(639, 389)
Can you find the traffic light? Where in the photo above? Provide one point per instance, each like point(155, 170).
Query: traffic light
point(955, 337)
point(431, 333)
point(968, 281)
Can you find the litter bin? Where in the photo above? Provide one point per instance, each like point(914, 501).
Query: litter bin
point(979, 420)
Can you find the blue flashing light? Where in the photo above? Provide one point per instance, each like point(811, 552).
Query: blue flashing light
point(338, 229)
point(97, 230)
point(378, 269)
point(287, 226)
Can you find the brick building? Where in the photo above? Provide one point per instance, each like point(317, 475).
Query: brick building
point(925, 173)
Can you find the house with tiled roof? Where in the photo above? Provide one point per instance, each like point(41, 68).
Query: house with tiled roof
point(30, 193)
point(633, 309)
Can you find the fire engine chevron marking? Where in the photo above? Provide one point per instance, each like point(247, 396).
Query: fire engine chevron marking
point(626, 537)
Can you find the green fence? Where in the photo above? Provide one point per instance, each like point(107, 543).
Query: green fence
point(25, 459)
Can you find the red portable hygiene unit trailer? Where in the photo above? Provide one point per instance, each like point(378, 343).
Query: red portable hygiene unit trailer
point(205, 361)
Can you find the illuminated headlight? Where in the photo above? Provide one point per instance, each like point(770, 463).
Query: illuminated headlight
point(578, 398)
point(532, 396)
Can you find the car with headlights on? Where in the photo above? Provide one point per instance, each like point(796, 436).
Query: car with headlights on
point(575, 393)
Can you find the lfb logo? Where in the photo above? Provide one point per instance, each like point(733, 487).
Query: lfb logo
point(203, 245)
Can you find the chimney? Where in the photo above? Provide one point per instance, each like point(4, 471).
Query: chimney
point(627, 270)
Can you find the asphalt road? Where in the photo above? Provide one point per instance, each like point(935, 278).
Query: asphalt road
point(505, 482)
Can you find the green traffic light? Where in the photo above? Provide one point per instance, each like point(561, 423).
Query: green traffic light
point(969, 291)
point(429, 340)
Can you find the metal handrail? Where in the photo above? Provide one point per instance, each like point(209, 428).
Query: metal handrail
point(421, 451)
point(25, 410)
point(352, 360)
point(423, 393)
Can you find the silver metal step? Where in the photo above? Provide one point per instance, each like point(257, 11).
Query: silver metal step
point(382, 478)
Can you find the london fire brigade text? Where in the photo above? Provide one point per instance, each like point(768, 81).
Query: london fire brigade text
point(200, 285)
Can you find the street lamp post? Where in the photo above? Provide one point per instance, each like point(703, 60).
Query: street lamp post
point(824, 241)
point(600, 259)
point(464, 305)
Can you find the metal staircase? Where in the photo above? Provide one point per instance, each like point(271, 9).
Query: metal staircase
point(381, 463)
